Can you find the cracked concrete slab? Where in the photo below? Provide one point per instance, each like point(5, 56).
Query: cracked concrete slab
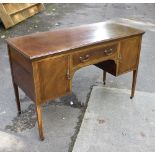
point(114, 122)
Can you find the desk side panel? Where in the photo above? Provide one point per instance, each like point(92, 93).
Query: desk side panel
point(22, 72)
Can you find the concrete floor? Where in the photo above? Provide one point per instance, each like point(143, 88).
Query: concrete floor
point(61, 120)
point(115, 123)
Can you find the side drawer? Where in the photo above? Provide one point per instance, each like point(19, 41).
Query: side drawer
point(94, 53)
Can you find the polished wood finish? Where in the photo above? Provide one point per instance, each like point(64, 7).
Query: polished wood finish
point(14, 84)
point(134, 83)
point(128, 61)
point(39, 120)
point(43, 64)
point(53, 81)
point(22, 72)
point(88, 55)
point(43, 44)
point(17, 98)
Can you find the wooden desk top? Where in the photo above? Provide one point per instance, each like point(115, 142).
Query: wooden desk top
point(43, 44)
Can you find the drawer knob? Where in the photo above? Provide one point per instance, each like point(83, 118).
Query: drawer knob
point(108, 51)
point(84, 58)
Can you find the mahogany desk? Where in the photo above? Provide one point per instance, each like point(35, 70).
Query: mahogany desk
point(43, 64)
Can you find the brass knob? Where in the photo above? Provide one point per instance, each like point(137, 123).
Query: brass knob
point(84, 58)
point(108, 51)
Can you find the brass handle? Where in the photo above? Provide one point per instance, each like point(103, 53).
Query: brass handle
point(84, 58)
point(108, 51)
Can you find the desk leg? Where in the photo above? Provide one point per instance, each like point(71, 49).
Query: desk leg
point(39, 119)
point(134, 83)
point(104, 77)
point(17, 98)
point(37, 100)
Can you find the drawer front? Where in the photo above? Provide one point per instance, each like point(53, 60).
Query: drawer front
point(98, 52)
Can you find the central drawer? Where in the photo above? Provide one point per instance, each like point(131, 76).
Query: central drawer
point(90, 54)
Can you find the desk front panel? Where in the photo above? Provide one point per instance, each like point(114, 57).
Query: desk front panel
point(127, 57)
point(53, 76)
point(129, 53)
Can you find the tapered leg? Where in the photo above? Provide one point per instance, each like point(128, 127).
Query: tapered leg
point(17, 98)
point(104, 77)
point(134, 83)
point(39, 119)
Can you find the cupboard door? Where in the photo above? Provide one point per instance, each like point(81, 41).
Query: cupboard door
point(129, 54)
point(53, 77)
